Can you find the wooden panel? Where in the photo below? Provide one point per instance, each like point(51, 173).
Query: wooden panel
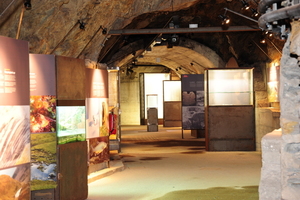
point(231, 128)
point(72, 170)
point(70, 75)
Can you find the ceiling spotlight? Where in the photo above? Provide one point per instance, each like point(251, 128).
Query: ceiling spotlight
point(81, 24)
point(171, 25)
point(254, 12)
point(104, 30)
point(27, 4)
point(225, 19)
point(245, 5)
point(174, 38)
point(178, 68)
point(263, 40)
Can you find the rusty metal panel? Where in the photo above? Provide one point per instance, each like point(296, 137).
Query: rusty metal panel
point(172, 113)
point(172, 110)
point(47, 194)
point(231, 128)
point(72, 171)
point(70, 76)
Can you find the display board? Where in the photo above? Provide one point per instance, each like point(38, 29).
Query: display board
point(43, 122)
point(97, 116)
point(172, 103)
point(192, 86)
point(14, 118)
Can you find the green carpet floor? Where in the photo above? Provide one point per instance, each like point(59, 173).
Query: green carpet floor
point(218, 193)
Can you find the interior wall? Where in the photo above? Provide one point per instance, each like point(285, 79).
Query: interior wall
point(130, 100)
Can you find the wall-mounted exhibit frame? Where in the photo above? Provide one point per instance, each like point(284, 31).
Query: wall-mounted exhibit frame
point(172, 103)
point(151, 84)
point(192, 91)
point(97, 119)
point(14, 118)
point(229, 110)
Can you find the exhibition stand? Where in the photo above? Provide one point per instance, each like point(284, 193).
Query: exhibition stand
point(14, 119)
point(230, 118)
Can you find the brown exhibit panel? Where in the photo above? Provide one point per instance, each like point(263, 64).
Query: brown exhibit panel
point(230, 128)
point(72, 171)
point(70, 75)
point(172, 114)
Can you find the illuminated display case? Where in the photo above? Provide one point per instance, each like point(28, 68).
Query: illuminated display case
point(70, 124)
point(230, 87)
point(172, 103)
point(152, 100)
point(229, 110)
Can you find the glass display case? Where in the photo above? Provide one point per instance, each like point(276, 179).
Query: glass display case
point(230, 87)
point(70, 124)
point(152, 101)
point(229, 110)
point(172, 90)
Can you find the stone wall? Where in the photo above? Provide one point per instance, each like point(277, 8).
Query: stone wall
point(290, 107)
point(287, 155)
point(52, 27)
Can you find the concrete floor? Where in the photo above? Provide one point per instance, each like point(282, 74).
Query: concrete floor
point(156, 163)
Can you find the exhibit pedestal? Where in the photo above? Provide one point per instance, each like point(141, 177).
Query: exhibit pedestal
point(152, 120)
point(198, 133)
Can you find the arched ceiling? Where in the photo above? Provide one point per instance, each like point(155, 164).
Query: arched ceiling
point(188, 57)
point(53, 27)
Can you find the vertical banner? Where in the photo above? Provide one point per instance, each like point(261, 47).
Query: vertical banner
point(192, 101)
point(97, 121)
point(43, 121)
point(14, 119)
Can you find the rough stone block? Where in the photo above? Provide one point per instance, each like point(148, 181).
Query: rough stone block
point(270, 182)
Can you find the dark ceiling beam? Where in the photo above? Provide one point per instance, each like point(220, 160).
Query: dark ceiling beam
point(181, 30)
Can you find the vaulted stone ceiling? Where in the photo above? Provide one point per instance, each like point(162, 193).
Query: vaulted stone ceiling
point(53, 27)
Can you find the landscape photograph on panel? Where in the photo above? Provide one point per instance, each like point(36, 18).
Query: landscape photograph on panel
point(70, 124)
point(43, 161)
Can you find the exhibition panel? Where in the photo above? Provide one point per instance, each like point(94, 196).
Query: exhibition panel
point(172, 103)
point(97, 119)
point(14, 119)
point(43, 118)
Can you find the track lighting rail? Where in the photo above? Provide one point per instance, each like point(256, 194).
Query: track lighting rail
point(181, 30)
